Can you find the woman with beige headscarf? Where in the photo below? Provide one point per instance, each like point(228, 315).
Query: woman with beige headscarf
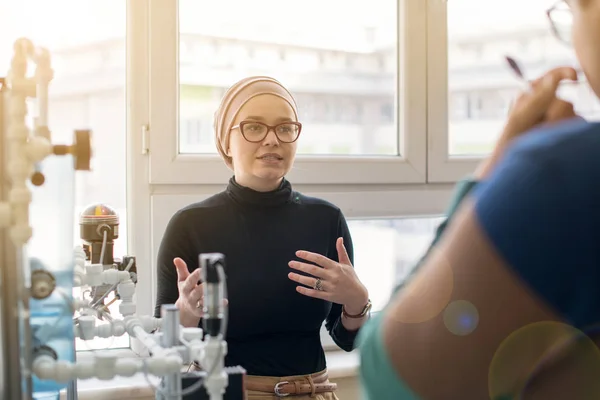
point(289, 256)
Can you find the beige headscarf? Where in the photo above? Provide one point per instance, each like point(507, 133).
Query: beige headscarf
point(238, 95)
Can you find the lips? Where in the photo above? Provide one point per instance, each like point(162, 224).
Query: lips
point(270, 156)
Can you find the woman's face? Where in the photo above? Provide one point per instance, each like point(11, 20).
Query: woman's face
point(261, 165)
point(586, 38)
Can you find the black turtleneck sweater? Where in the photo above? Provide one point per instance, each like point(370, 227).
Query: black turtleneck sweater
point(272, 329)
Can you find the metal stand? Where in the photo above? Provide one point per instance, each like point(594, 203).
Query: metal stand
point(171, 384)
point(72, 390)
point(72, 387)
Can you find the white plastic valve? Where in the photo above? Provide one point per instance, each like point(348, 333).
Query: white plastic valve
point(23, 150)
point(20, 170)
point(87, 327)
point(126, 291)
point(78, 275)
point(191, 334)
point(38, 148)
point(105, 365)
point(93, 274)
point(20, 234)
point(112, 276)
point(20, 195)
point(5, 215)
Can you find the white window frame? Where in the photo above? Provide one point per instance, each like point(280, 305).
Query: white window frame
point(441, 167)
point(167, 166)
point(139, 217)
point(367, 188)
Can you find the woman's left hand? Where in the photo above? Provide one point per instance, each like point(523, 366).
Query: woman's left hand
point(332, 281)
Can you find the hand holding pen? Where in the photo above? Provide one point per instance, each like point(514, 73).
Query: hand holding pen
point(537, 104)
point(538, 101)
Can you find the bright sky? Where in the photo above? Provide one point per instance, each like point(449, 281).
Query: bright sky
point(478, 16)
point(60, 23)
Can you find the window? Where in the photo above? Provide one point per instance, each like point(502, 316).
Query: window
point(394, 246)
point(192, 90)
point(320, 39)
point(381, 144)
point(197, 134)
point(87, 46)
point(461, 138)
point(387, 111)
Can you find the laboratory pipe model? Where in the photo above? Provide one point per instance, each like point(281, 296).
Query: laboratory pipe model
point(39, 317)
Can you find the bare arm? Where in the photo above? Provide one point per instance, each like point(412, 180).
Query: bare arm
point(523, 251)
point(463, 266)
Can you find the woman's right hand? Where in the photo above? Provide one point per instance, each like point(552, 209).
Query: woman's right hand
point(191, 294)
point(537, 106)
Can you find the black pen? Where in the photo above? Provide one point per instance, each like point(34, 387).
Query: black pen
point(518, 71)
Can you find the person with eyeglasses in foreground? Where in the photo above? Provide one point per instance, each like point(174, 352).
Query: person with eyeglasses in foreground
point(505, 304)
point(288, 256)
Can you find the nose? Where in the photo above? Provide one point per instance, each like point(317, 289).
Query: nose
point(271, 138)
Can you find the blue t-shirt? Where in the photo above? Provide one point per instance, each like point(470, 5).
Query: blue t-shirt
point(541, 211)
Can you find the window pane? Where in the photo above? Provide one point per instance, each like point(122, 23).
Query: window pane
point(87, 46)
point(338, 58)
point(481, 86)
point(386, 251)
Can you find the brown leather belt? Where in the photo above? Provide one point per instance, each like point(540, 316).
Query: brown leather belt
point(311, 384)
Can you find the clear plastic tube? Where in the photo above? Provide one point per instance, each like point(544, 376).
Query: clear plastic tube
point(50, 252)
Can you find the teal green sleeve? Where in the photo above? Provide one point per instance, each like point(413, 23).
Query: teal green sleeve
point(378, 378)
point(461, 190)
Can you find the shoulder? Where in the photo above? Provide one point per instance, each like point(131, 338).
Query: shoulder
point(539, 209)
point(573, 140)
point(190, 213)
point(561, 159)
point(317, 205)
point(315, 202)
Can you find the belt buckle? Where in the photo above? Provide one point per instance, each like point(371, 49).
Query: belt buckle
point(276, 389)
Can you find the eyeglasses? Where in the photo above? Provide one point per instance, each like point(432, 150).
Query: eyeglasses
point(561, 21)
point(254, 132)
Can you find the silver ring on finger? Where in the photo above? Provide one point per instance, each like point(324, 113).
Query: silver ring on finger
point(318, 284)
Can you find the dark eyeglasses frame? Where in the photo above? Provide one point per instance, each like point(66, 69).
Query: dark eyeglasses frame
point(269, 128)
point(555, 30)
